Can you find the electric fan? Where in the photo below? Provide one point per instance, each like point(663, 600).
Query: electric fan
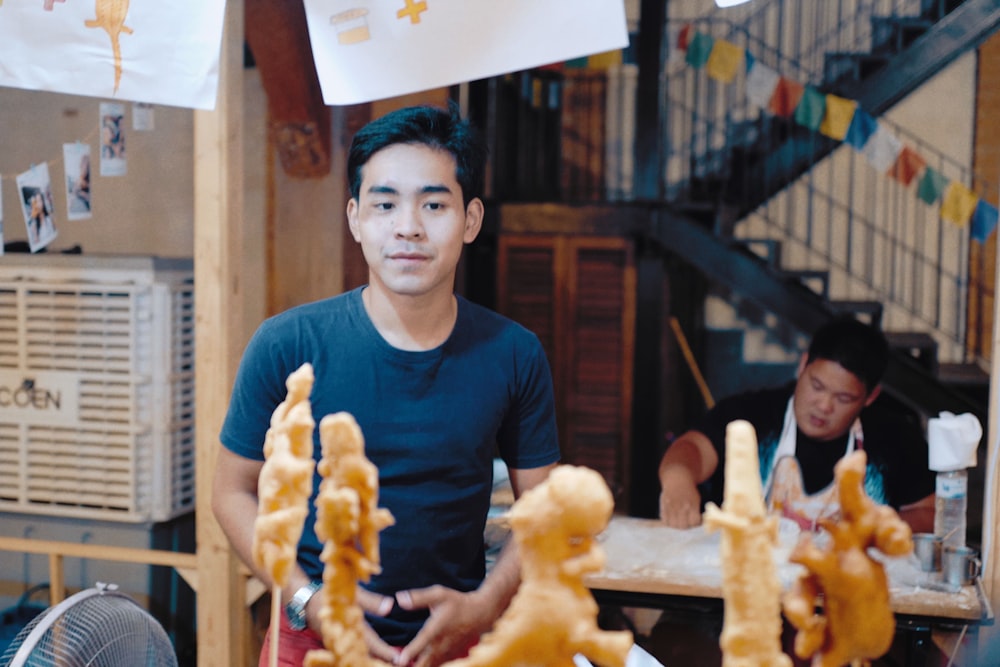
point(97, 627)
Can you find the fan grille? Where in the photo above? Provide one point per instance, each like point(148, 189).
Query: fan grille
point(103, 630)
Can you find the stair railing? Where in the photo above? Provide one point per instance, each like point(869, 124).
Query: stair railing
point(879, 241)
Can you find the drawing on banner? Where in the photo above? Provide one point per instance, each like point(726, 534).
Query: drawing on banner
point(406, 46)
point(412, 10)
point(76, 159)
point(49, 4)
point(111, 17)
point(36, 202)
point(113, 161)
point(351, 26)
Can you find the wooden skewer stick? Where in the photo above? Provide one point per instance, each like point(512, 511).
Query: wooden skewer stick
point(275, 625)
point(692, 364)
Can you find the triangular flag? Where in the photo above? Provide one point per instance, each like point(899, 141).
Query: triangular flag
point(958, 204)
point(838, 116)
point(984, 220)
point(809, 112)
point(786, 97)
point(931, 185)
point(699, 49)
point(761, 81)
point(724, 61)
point(882, 149)
point(862, 127)
point(908, 166)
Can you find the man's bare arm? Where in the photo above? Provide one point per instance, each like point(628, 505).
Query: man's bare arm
point(689, 461)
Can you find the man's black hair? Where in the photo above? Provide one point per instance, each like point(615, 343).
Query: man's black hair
point(860, 348)
point(428, 125)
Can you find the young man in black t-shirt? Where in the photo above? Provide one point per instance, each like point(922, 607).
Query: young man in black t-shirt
point(803, 429)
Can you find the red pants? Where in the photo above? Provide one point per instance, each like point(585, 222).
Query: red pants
point(292, 646)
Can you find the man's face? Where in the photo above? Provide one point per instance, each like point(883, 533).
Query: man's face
point(410, 220)
point(828, 398)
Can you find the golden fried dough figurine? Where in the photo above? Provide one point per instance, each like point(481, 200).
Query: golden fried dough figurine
point(283, 488)
point(751, 625)
point(857, 625)
point(348, 521)
point(553, 615)
point(285, 481)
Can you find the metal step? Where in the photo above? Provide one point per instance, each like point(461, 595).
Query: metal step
point(867, 311)
point(919, 345)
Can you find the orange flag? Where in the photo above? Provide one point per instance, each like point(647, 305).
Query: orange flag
point(786, 97)
point(908, 166)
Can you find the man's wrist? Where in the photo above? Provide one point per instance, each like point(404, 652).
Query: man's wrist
point(295, 610)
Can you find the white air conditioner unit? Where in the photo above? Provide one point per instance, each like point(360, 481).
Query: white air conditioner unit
point(97, 386)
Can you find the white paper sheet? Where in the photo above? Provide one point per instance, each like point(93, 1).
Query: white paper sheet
point(169, 51)
point(373, 49)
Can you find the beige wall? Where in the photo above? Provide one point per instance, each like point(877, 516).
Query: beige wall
point(148, 211)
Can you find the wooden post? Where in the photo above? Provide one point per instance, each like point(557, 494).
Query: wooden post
point(223, 623)
point(991, 573)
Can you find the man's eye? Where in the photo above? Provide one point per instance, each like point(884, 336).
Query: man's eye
point(383, 206)
point(435, 206)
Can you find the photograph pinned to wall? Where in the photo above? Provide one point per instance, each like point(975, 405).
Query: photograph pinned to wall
point(143, 119)
point(35, 188)
point(113, 162)
point(76, 158)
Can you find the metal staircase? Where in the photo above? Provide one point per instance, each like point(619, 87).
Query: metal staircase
point(728, 163)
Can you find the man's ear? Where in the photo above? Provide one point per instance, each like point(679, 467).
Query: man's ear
point(803, 360)
point(474, 213)
point(352, 219)
point(872, 396)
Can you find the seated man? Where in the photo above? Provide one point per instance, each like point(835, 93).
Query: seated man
point(803, 429)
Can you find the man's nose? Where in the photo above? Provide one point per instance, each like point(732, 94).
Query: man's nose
point(408, 224)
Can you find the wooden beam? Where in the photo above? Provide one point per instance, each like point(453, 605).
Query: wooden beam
point(223, 624)
point(298, 119)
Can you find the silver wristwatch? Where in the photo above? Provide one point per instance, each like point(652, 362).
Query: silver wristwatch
point(295, 610)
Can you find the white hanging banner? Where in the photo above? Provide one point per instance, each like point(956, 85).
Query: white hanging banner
point(156, 52)
point(373, 49)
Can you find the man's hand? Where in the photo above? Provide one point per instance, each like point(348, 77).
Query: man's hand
point(456, 623)
point(377, 605)
point(680, 502)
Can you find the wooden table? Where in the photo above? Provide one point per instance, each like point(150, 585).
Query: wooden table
point(650, 561)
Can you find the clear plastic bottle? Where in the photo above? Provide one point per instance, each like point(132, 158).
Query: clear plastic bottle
point(951, 498)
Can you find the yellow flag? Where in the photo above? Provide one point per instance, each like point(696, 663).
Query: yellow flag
point(837, 120)
point(724, 60)
point(958, 204)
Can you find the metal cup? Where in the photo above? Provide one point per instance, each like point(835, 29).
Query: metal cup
point(961, 565)
point(927, 549)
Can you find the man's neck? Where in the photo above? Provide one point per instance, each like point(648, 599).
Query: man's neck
point(414, 323)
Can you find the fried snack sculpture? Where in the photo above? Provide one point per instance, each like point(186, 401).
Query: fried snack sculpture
point(285, 481)
point(858, 624)
point(283, 488)
point(751, 624)
point(553, 615)
point(348, 521)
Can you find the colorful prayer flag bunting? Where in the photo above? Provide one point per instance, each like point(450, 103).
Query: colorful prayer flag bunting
point(931, 185)
point(882, 148)
point(761, 82)
point(811, 109)
point(908, 166)
point(699, 49)
point(862, 127)
point(837, 119)
point(958, 204)
point(724, 61)
point(984, 221)
point(786, 97)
